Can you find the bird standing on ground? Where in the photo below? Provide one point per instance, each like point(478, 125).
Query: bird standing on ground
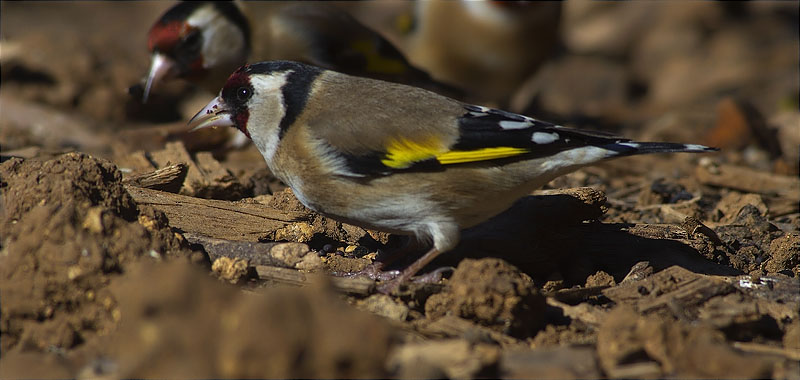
point(400, 159)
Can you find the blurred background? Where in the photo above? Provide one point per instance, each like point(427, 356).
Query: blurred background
point(719, 73)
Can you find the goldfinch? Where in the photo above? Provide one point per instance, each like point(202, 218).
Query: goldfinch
point(400, 159)
point(205, 41)
point(202, 42)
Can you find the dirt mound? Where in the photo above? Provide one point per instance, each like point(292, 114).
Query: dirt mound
point(185, 324)
point(68, 227)
point(491, 292)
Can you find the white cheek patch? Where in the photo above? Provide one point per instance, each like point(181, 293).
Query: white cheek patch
point(508, 124)
point(220, 37)
point(266, 83)
point(266, 112)
point(544, 137)
point(201, 16)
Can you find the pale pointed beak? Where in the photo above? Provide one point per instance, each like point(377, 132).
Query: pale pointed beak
point(160, 67)
point(215, 114)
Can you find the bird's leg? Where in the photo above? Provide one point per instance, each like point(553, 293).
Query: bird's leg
point(393, 284)
point(375, 269)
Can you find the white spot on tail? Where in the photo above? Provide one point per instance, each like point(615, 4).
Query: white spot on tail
point(701, 148)
point(544, 137)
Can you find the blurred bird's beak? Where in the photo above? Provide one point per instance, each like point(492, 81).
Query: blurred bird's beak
point(160, 68)
point(215, 114)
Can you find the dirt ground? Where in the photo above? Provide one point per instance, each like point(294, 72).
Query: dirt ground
point(131, 248)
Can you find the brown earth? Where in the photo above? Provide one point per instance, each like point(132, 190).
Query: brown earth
point(662, 266)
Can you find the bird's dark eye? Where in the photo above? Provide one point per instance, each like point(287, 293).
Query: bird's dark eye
point(243, 94)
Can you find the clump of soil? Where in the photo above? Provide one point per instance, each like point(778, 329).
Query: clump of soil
point(185, 324)
point(491, 292)
point(68, 227)
point(627, 340)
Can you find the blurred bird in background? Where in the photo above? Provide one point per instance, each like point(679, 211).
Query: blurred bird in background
point(486, 47)
point(203, 42)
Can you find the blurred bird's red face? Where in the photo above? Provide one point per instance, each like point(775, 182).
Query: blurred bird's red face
point(180, 42)
point(164, 36)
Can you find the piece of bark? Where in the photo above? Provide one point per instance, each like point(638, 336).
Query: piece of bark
point(175, 153)
point(238, 221)
point(749, 180)
point(674, 288)
point(757, 348)
point(135, 163)
point(256, 253)
point(352, 285)
point(217, 181)
point(575, 295)
point(584, 312)
point(169, 178)
point(639, 271)
point(205, 178)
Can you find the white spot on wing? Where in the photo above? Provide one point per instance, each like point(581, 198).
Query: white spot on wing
point(478, 114)
point(544, 137)
point(630, 144)
point(507, 124)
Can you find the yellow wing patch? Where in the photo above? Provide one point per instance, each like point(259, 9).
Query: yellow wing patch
point(403, 153)
point(461, 156)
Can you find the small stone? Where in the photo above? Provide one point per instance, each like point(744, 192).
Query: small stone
point(600, 279)
point(94, 220)
point(230, 270)
point(300, 232)
point(385, 306)
point(290, 253)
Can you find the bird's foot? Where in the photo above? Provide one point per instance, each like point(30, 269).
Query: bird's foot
point(393, 284)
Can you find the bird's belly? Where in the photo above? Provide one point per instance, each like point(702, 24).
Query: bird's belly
point(398, 213)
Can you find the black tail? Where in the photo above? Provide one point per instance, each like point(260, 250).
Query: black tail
point(630, 148)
